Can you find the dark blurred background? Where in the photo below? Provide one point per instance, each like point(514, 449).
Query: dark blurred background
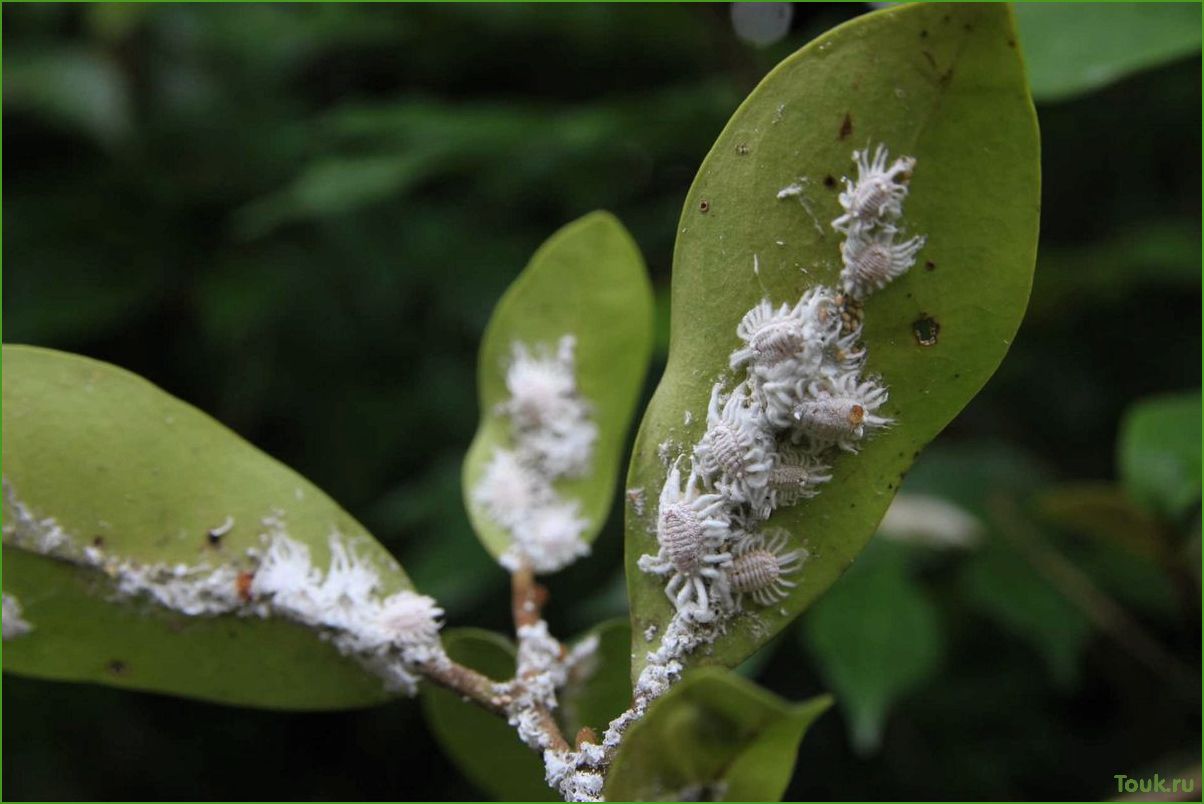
point(299, 217)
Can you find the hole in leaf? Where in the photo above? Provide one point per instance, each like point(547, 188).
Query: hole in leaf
point(926, 329)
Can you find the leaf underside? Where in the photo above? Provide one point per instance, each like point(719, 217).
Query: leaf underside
point(943, 83)
point(121, 465)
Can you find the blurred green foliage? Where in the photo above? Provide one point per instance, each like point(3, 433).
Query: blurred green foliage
point(298, 218)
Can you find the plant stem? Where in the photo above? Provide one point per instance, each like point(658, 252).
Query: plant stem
point(468, 683)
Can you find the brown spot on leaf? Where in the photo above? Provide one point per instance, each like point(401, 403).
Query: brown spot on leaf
point(929, 265)
point(846, 127)
point(704, 206)
point(117, 667)
point(924, 34)
point(98, 542)
point(926, 329)
point(829, 181)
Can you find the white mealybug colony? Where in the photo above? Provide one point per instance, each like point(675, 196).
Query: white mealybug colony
point(553, 436)
point(800, 399)
point(393, 635)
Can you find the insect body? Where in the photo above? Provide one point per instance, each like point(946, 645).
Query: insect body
point(760, 568)
point(877, 196)
point(691, 529)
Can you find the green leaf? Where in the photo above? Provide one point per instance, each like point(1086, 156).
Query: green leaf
point(603, 690)
point(877, 637)
point(940, 82)
point(587, 280)
point(119, 464)
point(485, 749)
point(713, 737)
point(1159, 453)
point(1102, 510)
point(1072, 49)
point(1000, 584)
point(76, 88)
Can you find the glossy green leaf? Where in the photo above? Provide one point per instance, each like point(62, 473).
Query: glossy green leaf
point(1159, 453)
point(876, 636)
point(587, 280)
point(941, 82)
point(1074, 48)
point(483, 746)
point(713, 737)
point(120, 464)
point(602, 690)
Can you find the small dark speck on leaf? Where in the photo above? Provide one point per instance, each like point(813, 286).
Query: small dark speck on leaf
point(830, 181)
point(909, 295)
point(926, 329)
point(117, 667)
point(852, 505)
point(946, 77)
point(214, 538)
point(704, 206)
point(946, 18)
point(957, 375)
point(967, 27)
point(1012, 43)
point(929, 265)
point(846, 127)
point(98, 541)
point(743, 150)
point(924, 34)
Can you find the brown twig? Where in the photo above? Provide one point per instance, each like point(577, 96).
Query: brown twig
point(468, 683)
point(527, 599)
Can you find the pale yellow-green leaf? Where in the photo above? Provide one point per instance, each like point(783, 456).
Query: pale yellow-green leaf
point(943, 83)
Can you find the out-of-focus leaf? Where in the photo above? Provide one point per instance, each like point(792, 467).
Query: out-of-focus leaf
point(970, 473)
point(588, 280)
point(485, 749)
point(1102, 510)
point(1164, 253)
point(76, 88)
point(337, 185)
point(1073, 48)
point(876, 636)
point(713, 737)
point(941, 82)
point(601, 690)
point(930, 521)
point(120, 465)
point(1159, 453)
point(1000, 584)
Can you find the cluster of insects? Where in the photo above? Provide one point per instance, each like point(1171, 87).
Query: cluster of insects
point(553, 437)
point(803, 397)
